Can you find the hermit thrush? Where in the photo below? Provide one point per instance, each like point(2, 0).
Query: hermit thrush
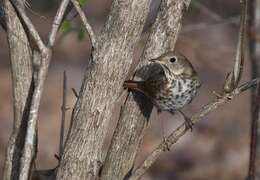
point(171, 83)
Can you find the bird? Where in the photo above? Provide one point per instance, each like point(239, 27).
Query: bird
point(171, 83)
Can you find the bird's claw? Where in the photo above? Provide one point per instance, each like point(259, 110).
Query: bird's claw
point(165, 144)
point(189, 124)
point(219, 96)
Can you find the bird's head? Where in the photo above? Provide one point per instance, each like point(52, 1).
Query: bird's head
point(175, 64)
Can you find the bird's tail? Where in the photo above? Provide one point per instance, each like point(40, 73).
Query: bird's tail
point(131, 84)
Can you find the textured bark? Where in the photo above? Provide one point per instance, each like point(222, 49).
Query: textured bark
point(102, 84)
point(254, 47)
point(135, 115)
point(21, 71)
point(41, 61)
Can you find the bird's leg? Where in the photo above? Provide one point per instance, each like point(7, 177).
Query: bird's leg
point(163, 134)
point(218, 95)
point(188, 121)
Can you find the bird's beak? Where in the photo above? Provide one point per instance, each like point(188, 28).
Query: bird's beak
point(158, 61)
point(155, 60)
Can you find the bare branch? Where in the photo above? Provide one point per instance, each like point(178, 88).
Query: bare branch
point(33, 32)
point(41, 62)
point(21, 72)
point(182, 129)
point(75, 92)
point(57, 22)
point(85, 22)
point(29, 151)
point(255, 105)
point(234, 77)
point(254, 49)
point(63, 114)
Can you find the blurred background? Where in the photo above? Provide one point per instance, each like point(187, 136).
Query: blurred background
point(218, 146)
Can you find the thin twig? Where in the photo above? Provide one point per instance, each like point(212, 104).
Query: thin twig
point(57, 22)
point(234, 77)
point(63, 113)
point(75, 92)
point(85, 22)
point(182, 129)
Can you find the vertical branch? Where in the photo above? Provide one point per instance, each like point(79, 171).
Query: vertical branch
point(63, 114)
point(234, 77)
point(254, 48)
point(41, 61)
point(29, 150)
point(135, 115)
point(21, 73)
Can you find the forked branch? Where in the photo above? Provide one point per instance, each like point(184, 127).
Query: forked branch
point(41, 60)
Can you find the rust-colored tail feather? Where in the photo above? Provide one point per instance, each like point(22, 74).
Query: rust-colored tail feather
point(131, 84)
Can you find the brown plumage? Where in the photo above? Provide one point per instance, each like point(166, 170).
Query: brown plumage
point(171, 85)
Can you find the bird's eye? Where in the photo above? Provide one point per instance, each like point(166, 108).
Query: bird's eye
point(173, 60)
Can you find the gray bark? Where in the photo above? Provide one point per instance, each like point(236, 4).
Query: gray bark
point(254, 47)
point(102, 84)
point(21, 71)
point(135, 115)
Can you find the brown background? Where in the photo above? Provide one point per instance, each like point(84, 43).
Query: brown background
point(218, 147)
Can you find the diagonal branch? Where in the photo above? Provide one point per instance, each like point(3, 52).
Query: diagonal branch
point(182, 129)
point(57, 22)
point(85, 22)
point(32, 30)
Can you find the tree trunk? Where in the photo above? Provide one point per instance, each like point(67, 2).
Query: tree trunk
point(21, 71)
point(102, 85)
point(135, 115)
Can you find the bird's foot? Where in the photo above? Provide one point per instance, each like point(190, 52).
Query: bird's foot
point(219, 96)
point(188, 122)
point(165, 144)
